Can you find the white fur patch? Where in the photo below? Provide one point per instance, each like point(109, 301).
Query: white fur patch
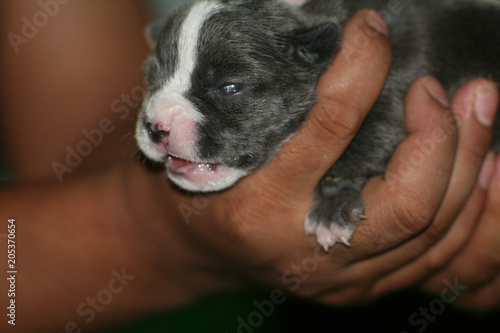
point(176, 105)
point(188, 44)
point(180, 83)
point(207, 182)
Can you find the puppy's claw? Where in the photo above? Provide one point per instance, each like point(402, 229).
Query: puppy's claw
point(328, 235)
point(345, 241)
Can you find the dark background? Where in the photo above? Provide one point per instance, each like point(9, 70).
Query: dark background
point(224, 313)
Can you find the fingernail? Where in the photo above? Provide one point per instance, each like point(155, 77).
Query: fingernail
point(436, 91)
point(487, 171)
point(485, 103)
point(376, 22)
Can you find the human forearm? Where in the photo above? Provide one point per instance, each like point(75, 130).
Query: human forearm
point(82, 66)
point(97, 242)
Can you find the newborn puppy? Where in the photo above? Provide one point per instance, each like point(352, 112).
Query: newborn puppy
point(230, 81)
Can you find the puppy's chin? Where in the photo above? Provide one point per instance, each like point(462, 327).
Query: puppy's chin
point(202, 177)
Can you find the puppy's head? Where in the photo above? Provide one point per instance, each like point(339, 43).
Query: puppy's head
point(229, 81)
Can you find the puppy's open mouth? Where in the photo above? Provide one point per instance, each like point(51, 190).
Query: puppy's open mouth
point(181, 167)
point(201, 176)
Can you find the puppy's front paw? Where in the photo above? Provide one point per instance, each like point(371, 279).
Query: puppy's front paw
point(334, 219)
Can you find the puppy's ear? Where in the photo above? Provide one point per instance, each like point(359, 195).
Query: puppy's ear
point(152, 32)
point(315, 46)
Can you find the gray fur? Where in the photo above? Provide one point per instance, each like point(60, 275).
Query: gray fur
point(276, 52)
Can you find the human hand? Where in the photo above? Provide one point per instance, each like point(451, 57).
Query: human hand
point(256, 227)
point(476, 264)
point(459, 206)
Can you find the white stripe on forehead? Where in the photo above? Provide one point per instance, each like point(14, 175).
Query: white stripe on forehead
point(188, 43)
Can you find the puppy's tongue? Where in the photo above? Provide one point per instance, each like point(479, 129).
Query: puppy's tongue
point(200, 177)
point(182, 167)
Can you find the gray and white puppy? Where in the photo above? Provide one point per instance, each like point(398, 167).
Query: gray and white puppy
point(230, 81)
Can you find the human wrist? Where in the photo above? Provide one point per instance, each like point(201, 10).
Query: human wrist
point(166, 246)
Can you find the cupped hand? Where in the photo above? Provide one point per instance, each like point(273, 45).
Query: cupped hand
point(255, 229)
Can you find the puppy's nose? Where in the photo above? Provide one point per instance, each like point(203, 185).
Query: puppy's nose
point(158, 132)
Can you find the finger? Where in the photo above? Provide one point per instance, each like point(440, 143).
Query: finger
point(485, 298)
point(471, 105)
point(449, 251)
point(482, 255)
point(346, 93)
point(479, 261)
point(461, 230)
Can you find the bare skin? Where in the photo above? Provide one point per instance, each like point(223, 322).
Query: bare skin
point(70, 72)
point(73, 237)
